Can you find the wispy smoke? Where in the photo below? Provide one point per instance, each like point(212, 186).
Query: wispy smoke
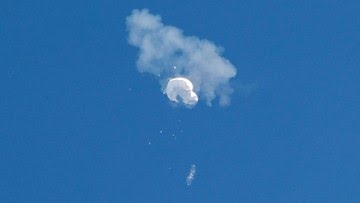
point(163, 47)
point(191, 175)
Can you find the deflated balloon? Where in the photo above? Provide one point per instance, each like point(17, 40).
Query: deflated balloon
point(181, 90)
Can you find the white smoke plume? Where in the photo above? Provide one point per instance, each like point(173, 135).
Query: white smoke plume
point(191, 175)
point(162, 47)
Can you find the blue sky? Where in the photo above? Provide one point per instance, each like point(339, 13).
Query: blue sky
point(71, 130)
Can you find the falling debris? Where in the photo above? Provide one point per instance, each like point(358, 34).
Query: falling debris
point(191, 175)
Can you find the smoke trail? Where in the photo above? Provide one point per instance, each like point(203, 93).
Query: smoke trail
point(163, 47)
point(191, 175)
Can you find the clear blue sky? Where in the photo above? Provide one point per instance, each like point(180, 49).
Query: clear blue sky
point(71, 131)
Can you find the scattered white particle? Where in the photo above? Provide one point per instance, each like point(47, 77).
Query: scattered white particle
point(129, 89)
point(174, 67)
point(161, 131)
point(149, 143)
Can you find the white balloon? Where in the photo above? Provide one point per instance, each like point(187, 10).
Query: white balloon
point(181, 89)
